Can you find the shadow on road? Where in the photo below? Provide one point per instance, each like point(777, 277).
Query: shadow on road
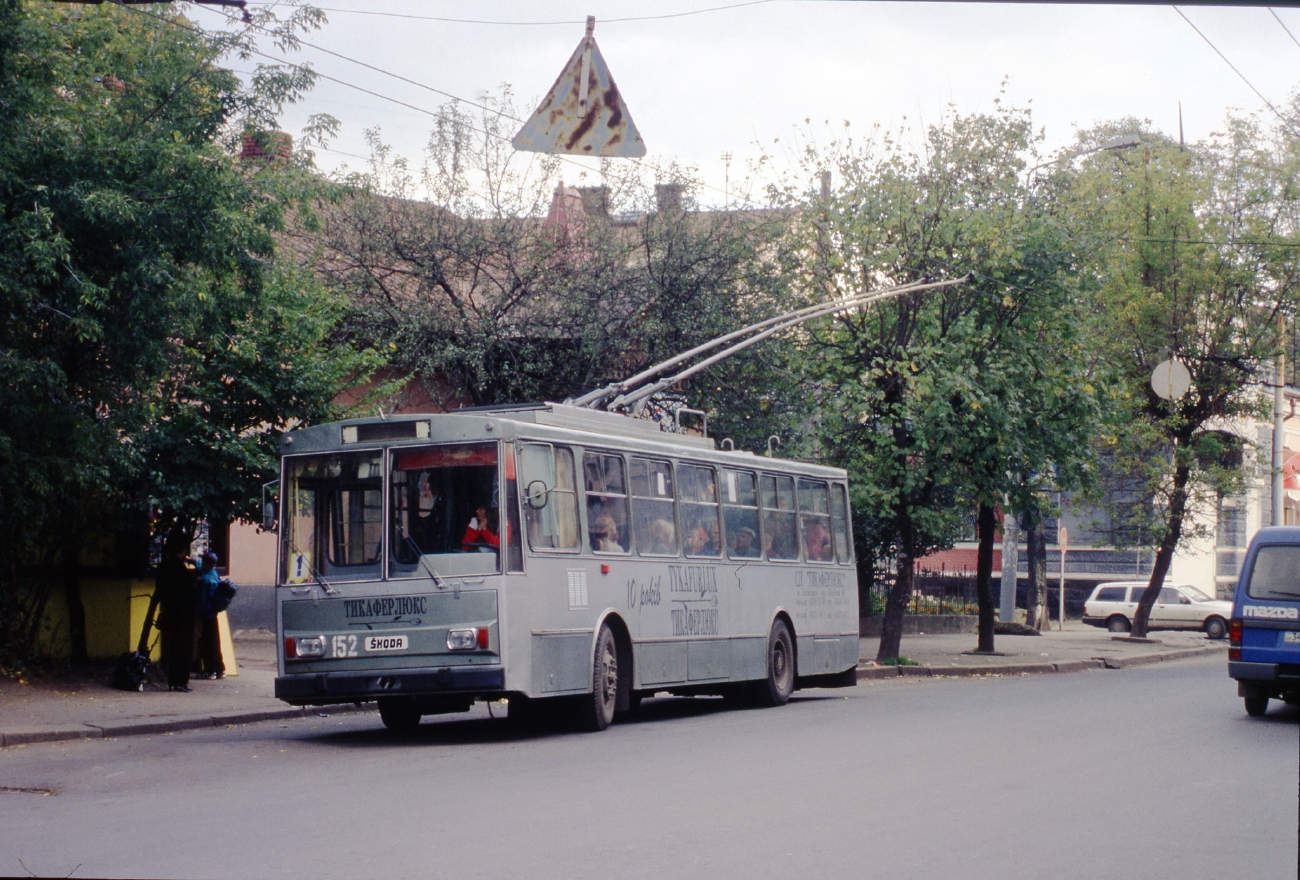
point(547, 721)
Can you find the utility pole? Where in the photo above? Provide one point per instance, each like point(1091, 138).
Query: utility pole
point(726, 179)
point(1010, 568)
point(1279, 424)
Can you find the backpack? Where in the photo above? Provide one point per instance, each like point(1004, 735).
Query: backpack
point(224, 595)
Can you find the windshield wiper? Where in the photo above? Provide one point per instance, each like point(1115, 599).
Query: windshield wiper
point(423, 559)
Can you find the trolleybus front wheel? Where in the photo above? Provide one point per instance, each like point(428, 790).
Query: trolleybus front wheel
point(597, 709)
point(399, 714)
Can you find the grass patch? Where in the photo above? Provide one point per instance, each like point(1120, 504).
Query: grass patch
point(898, 661)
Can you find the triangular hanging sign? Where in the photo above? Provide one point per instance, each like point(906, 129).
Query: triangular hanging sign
point(583, 114)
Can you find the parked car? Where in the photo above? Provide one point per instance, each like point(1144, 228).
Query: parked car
point(1114, 605)
point(1264, 651)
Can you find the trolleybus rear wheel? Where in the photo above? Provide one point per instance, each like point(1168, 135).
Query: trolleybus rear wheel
point(597, 709)
point(399, 714)
point(776, 690)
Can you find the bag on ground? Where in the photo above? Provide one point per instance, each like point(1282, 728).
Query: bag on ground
point(129, 672)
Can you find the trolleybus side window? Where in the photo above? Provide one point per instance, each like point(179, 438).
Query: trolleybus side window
point(740, 515)
point(551, 513)
point(815, 520)
point(652, 507)
point(335, 516)
point(780, 537)
point(445, 501)
point(606, 488)
point(840, 524)
point(698, 495)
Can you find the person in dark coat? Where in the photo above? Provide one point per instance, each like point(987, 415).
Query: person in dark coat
point(178, 596)
point(209, 635)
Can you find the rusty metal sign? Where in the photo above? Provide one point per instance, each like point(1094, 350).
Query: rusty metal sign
point(584, 113)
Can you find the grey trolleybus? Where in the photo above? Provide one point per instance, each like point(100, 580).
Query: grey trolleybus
point(550, 551)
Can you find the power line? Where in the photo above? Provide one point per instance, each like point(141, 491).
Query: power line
point(542, 23)
point(493, 110)
point(1283, 26)
point(1240, 242)
point(362, 89)
point(1266, 101)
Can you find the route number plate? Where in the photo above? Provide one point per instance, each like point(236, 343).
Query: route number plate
point(385, 643)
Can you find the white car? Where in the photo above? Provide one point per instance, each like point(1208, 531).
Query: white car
point(1114, 605)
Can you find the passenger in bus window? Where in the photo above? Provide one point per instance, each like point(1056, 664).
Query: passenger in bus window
point(779, 539)
point(482, 529)
point(604, 536)
point(661, 537)
point(695, 541)
point(745, 547)
point(816, 539)
point(713, 546)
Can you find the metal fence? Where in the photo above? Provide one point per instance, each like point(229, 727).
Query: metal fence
point(933, 592)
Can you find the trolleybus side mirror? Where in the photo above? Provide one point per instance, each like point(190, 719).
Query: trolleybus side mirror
point(537, 494)
point(270, 512)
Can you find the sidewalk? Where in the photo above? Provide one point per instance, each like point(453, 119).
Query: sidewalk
point(1079, 648)
point(89, 709)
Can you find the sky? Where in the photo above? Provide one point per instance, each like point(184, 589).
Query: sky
point(721, 76)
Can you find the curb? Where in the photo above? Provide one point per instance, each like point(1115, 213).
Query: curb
point(14, 736)
point(871, 673)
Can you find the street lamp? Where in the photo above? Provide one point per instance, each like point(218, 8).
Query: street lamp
point(1123, 142)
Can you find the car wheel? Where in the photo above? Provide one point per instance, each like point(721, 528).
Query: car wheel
point(1118, 624)
point(1216, 627)
point(399, 714)
point(1256, 706)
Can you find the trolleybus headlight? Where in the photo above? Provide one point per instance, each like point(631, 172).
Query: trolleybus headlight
point(467, 639)
point(305, 646)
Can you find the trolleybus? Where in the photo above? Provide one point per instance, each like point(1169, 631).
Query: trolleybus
point(551, 552)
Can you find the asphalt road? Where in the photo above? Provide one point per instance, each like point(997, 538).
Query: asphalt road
point(1151, 772)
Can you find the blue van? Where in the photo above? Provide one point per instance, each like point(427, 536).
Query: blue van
point(1264, 633)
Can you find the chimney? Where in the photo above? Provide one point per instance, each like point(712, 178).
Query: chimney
point(267, 146)
point(595, 200)
point(668, 196)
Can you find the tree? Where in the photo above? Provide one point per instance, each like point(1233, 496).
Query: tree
point(478, 270)
point(964, 396)
point(1193, 252)
point(154, 346)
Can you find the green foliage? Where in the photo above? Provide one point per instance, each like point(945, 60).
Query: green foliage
point(153, 345)
point(1192, 251)
point(478, 270)
point(967, 394)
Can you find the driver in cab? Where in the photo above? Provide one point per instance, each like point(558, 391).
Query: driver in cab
point(481, 531)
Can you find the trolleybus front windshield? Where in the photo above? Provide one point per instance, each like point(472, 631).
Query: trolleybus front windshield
point(445, 510)
point(333, 516)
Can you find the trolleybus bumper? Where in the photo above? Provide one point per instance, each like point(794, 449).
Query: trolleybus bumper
point(320, 688)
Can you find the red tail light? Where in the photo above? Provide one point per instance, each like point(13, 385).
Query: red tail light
point(483, 637)
point(1234, 639)
point(290, 647)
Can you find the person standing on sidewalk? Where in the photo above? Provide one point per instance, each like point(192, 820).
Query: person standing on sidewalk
point(178, 596)
point(212, 665)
